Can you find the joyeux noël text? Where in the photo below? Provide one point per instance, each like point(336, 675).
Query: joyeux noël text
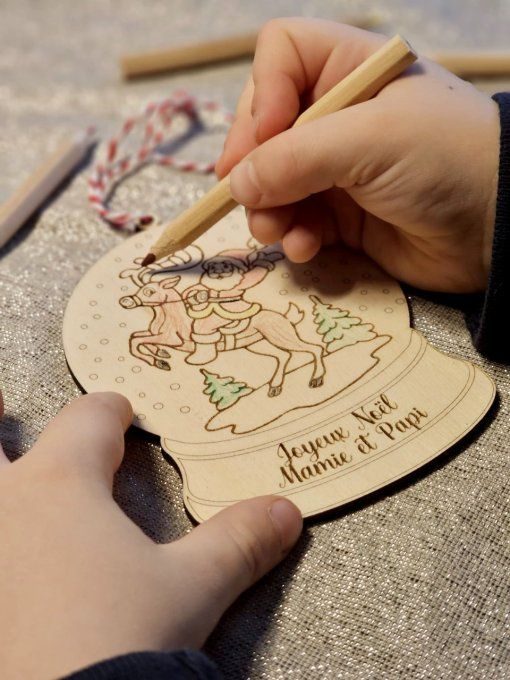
point(364, 432)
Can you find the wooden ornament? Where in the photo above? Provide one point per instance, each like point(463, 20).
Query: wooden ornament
point(266, 377)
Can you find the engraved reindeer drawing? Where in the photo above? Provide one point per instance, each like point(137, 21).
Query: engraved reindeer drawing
point(212, 315)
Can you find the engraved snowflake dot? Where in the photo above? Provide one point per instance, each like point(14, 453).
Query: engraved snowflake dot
point(185, 409)
point(136, 369)
point(119, 379)
point(93, 376)
point(99, 285)
point(388, 310)
point(122, 324)
point(83, 347)
point(400, 301)
point(158, 406)
point(104, 341)
point(83, 326)
point(93, 303)
point(97, 316)
point(175, 386)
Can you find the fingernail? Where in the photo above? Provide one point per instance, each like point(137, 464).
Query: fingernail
point(243, 184)
point(287, 520)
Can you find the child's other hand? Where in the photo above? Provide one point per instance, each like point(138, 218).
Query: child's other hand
point(81, 583)
point(409, 177)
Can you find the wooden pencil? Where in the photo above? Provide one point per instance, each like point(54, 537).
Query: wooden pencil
point(33, 192)
point(141, 64)
point(473, 63)
point(360, 85)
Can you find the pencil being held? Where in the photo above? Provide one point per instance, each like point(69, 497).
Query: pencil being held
point(361, 84)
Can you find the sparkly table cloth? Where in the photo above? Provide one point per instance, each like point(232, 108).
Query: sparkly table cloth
point(412, 582)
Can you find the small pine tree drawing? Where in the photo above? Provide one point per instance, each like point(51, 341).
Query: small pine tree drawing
point(223, 391)
point(338, 328)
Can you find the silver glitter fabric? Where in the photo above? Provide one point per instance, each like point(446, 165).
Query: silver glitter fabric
point(412, 582)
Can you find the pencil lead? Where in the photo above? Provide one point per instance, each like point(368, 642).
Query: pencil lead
point(148, 259)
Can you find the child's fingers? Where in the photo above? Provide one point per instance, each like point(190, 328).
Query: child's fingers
point(298, 55)
point(292, 56)
point(217, 561)
point(87, 435)
point(270, 225)
point(241, 136)
point(307, 232)
point(302, 227)
point(340, 150)
point(3, 458)
point(302, 242)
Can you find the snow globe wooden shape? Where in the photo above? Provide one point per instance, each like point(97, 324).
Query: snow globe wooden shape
point(266, 377)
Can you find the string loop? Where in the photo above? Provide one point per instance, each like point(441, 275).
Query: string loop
point(153, 127)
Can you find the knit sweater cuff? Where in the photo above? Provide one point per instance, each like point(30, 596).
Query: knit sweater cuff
point(486, 324)
point(179, 665)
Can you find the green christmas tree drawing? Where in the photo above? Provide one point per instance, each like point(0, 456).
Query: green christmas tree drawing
point(338, 328)
point(223, 391)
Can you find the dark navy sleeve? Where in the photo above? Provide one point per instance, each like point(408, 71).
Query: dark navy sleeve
point(487, 320)
point(180, 665)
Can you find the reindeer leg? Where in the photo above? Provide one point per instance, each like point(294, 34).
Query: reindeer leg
point(134, 348)
point(136, 341)
point(282, 334)
point(282, 359)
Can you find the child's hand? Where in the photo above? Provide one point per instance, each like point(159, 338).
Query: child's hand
point(409, 177)
point(81, 583)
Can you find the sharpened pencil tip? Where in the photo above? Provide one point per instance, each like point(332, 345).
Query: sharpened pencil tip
point(148, 259)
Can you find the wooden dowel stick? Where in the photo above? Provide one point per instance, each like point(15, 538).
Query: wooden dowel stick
point(207, 52)
point(34, 191)
point(360, 85)
point(159, 61)
point(473, 63)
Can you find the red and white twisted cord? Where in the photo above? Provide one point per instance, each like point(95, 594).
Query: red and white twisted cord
point(154, 124)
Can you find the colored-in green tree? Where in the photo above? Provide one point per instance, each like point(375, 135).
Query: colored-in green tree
point(337, 327)
point(223, 391)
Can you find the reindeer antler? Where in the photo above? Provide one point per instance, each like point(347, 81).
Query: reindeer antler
point(181, 260)
point(178, 262)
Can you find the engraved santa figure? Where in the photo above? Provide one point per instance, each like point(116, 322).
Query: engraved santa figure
point(216, 303)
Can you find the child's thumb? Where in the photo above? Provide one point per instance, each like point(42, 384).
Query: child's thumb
point(337, 150)
point(219, 559)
